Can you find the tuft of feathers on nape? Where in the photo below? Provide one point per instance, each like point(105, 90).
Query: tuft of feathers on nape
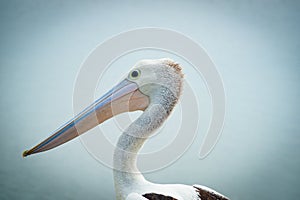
point(174, 65)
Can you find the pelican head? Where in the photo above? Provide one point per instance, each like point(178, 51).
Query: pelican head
point(156, 76)
point(149, 83)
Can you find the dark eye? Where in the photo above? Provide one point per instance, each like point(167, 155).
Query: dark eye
point(135, 74)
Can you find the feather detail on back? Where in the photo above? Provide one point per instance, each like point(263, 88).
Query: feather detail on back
point(154, 196)
point(206, 193)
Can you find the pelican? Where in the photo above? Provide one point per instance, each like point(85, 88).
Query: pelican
point(154, 87)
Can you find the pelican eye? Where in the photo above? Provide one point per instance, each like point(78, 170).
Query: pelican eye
point(134, 74)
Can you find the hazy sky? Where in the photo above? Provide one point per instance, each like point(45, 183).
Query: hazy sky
point(254, 44)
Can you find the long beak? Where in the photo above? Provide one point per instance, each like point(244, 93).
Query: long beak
point(124, 97)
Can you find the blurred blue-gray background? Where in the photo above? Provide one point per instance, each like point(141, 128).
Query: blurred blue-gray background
point(254, 44)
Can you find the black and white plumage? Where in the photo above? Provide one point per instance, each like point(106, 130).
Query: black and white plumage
point(204, 193)
point(153, 86)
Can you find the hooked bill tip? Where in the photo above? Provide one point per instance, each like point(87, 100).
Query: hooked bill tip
point(25, 153)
